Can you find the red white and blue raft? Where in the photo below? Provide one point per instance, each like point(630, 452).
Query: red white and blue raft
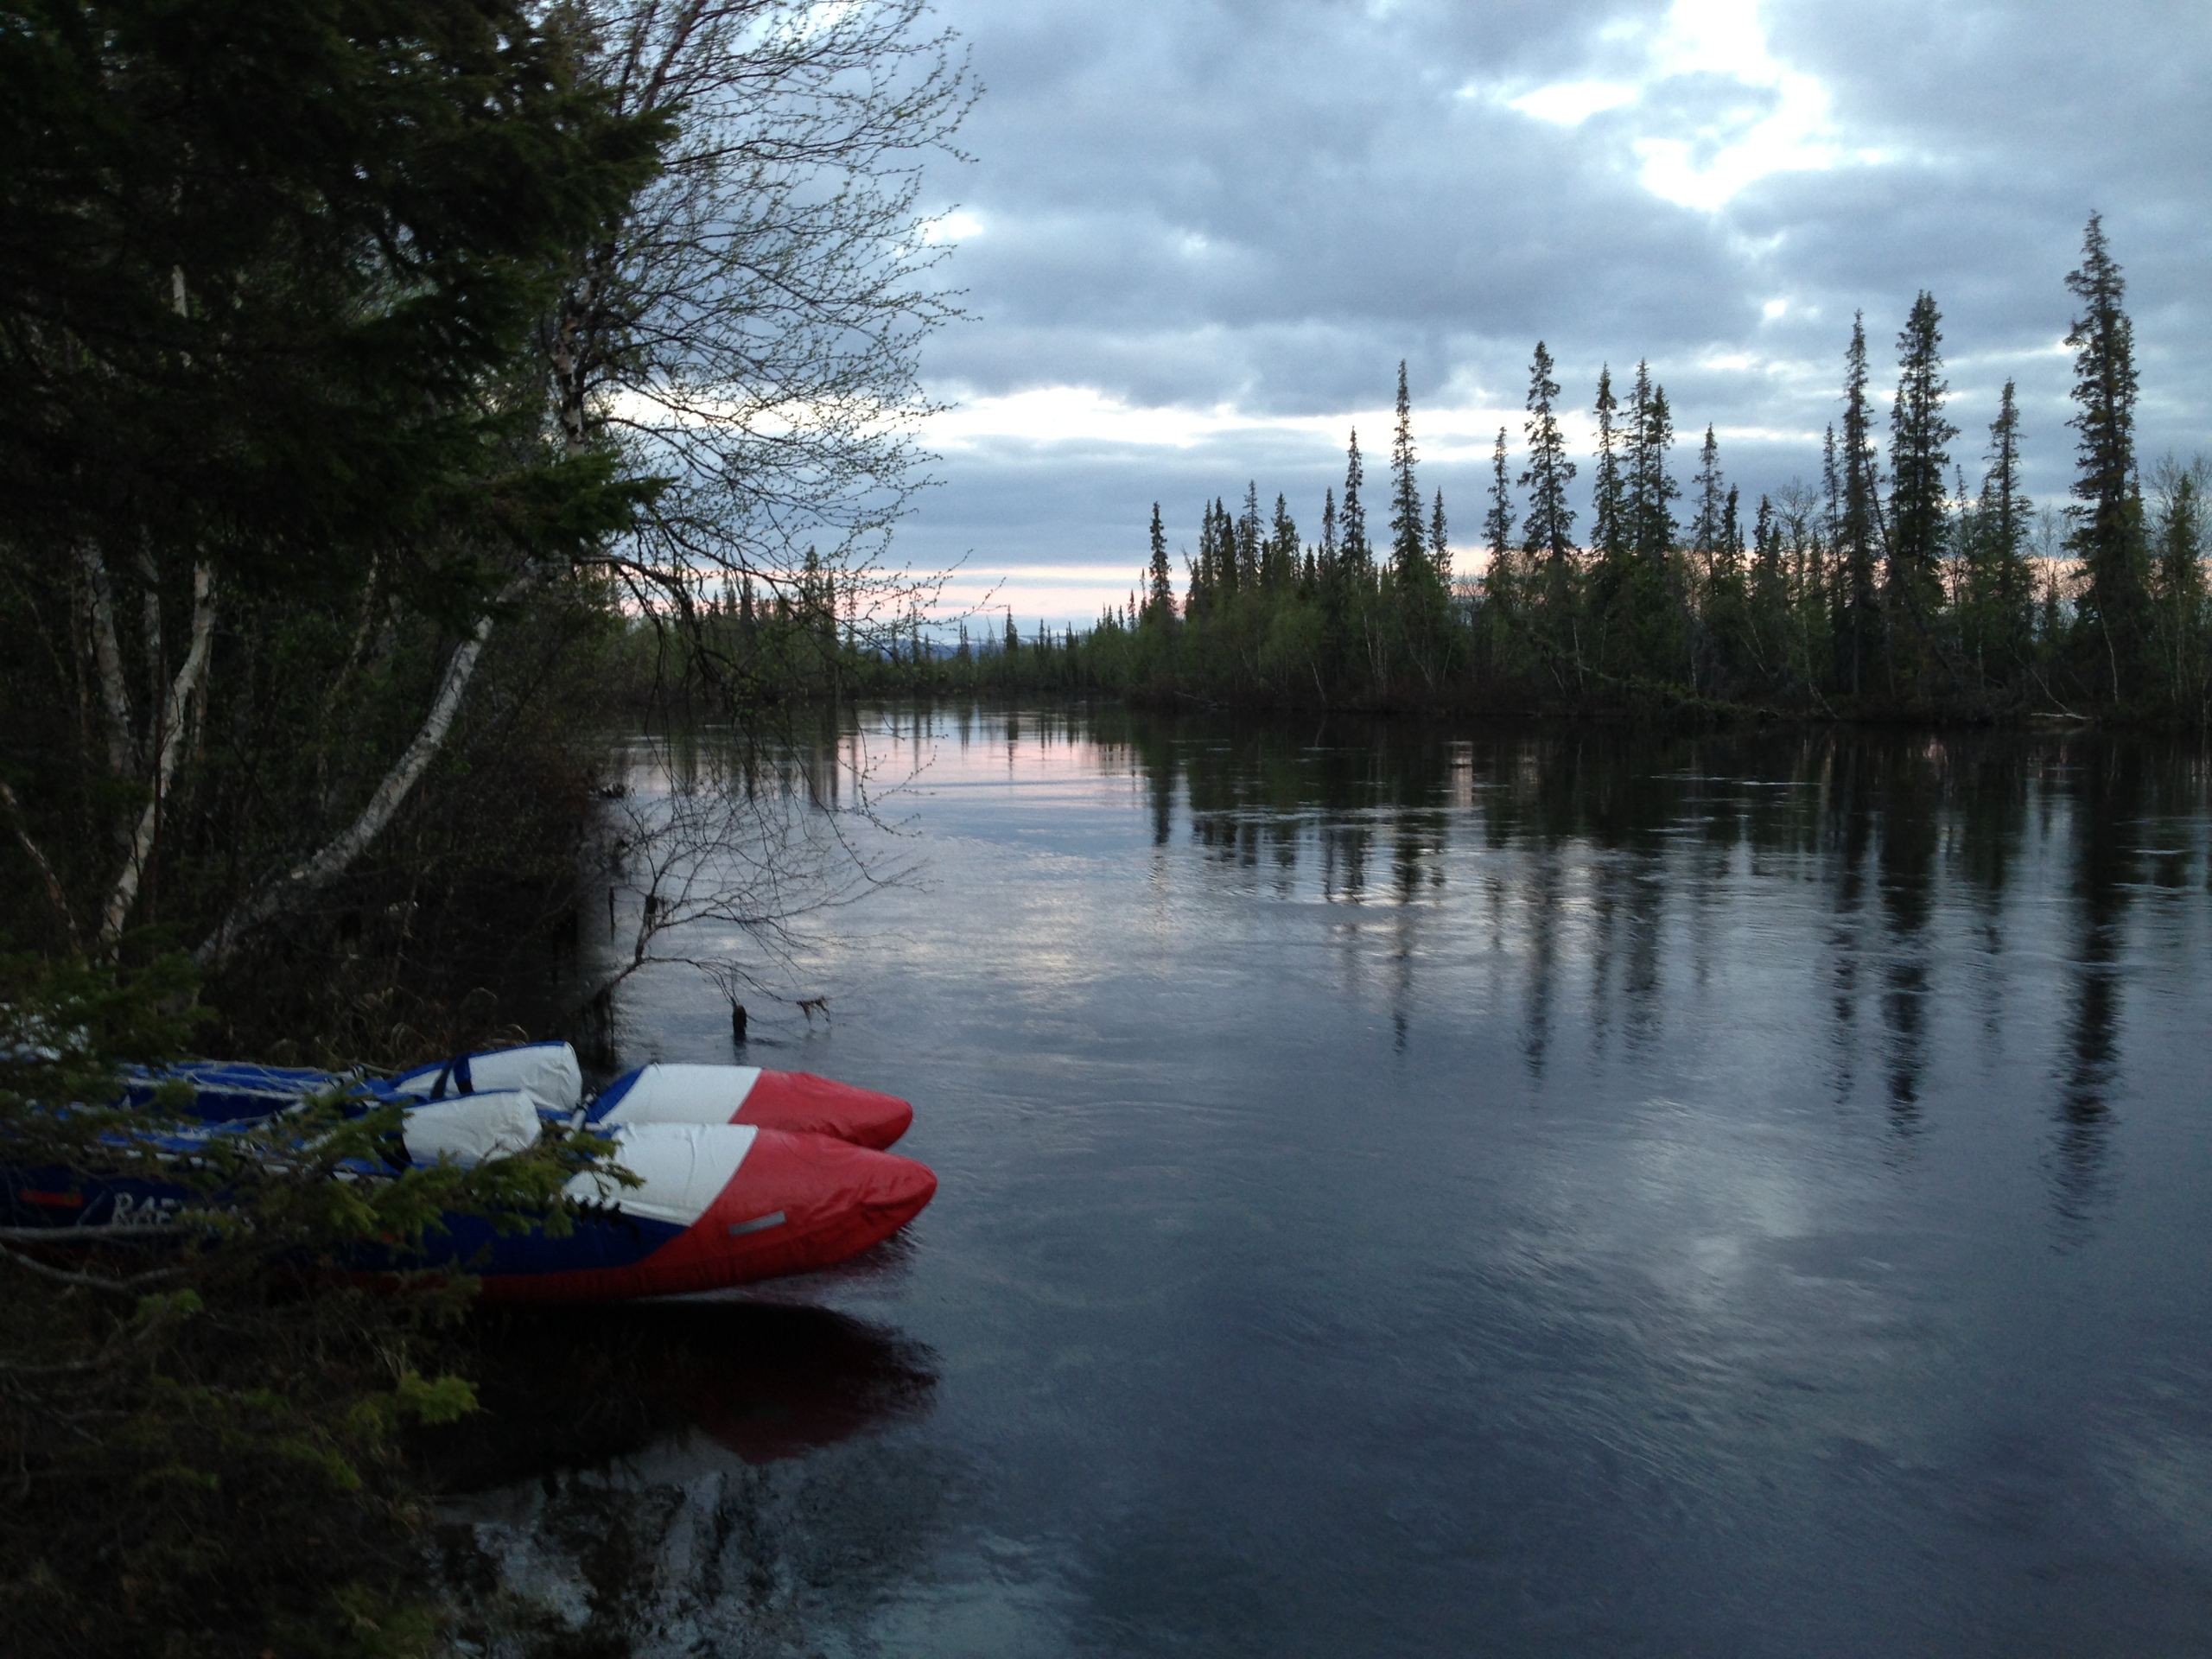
point(743, 1173)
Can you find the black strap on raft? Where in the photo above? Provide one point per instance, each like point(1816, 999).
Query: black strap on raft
point(456, 1069)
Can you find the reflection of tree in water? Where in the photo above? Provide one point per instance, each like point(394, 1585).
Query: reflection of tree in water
point(1990, 805)
point(609, 1509)
point(1546, 922)
point(1911, 811)
point(1882, 821)
point(2108, 802)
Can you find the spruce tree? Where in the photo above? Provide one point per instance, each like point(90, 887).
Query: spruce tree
point(1769, 595)
point(1708, 530)
point(1859, 516)
point(1280, 562)
point(1999, 587)
point(1651, 487)
point(1439, 544)
point(1919, 453)
point(1356, 556)
point(1408, 550)
point(1548, 530)
point(1224, 549)
point(1608, 534)
point(1332, 581)
point(2109, 524)
point(1159, 605)
point(1498, 583)
point(2178, 585)
point(1249, 539)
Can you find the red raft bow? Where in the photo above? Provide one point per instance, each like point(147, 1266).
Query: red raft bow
point(747, 1175)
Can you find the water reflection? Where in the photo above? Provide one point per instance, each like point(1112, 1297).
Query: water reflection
point(1626, 840)
point(575, 1388)
point(618, 1495)
point(1411, 1188)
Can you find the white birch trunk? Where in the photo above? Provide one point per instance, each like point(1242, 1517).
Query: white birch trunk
point(168, 739)
point(336, 855)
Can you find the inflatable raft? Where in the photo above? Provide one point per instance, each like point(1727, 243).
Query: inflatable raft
point(743, 1174)
point(794, 1101)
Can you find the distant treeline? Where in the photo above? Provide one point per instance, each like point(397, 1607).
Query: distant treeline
point(1892, 588)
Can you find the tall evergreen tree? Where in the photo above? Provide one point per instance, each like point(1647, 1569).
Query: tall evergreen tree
point(1708, 530)
point(1439, 543)
point(1352, 520)
point(1857, 530)
point(2179, 587)
point(1769, 595)
point(1279, 563)
point(1919, 453)
point(1224, 549)
point(1548, 530)
point(2109, 524)
point(1160, 603)
point(1497, 531)
point(1608, 517)
point(1332, 581)
point(1652, 488)
point(2000, 596)
point(1408, 550)
point(1248, 537)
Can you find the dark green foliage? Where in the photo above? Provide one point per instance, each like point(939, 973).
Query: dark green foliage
point(1352, 519)
point(1855, 490)
point(2109, 524)
point(2178, 627)
point(1159, 579)
point(1996, 608)
point(1919, 456)
point(1549, 529)
point(260, 265)
point(197, 1424)
point(1409, 538)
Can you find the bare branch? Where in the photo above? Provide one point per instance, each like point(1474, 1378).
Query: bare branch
point(54, 895)
point(133, 1286)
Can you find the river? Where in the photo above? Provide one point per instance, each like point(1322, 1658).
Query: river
point(1413, 1189)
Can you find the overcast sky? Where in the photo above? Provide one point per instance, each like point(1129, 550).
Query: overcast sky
point(1199, 235)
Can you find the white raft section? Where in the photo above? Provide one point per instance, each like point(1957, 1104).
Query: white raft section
point(470, 1129)
point(682, 1094)
point(547, 1070)
point(684, 1168)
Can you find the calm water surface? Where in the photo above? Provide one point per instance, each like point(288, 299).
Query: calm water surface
point(1416, 1190)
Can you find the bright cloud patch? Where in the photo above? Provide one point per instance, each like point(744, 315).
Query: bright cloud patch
point(1084, 415)
point(955, 227)
point(1572, 102)
point(1750, 115)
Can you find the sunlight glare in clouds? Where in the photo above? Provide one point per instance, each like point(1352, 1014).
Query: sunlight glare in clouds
point(1075, 414)
point(1774, 119)
point(955, 227)
point(1572, 102)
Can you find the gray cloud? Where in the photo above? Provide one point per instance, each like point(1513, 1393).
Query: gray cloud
point(1267, 206)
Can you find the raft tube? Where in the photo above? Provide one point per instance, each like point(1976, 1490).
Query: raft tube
point(794, 1101)
point(722, 1205)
